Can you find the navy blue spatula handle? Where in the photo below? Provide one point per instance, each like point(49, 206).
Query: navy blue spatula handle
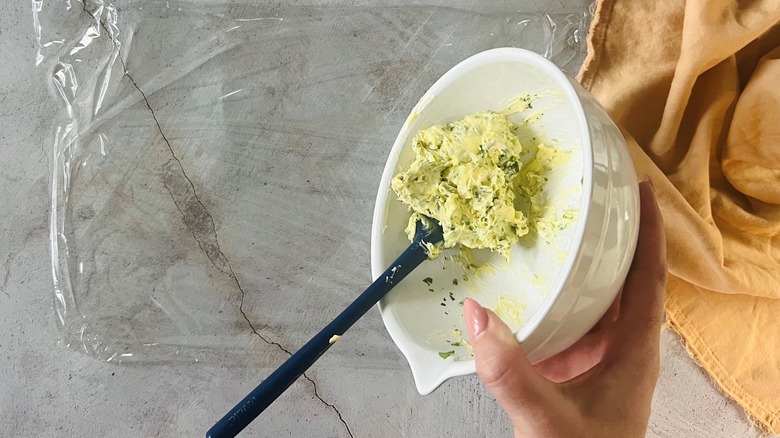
point(272, 387)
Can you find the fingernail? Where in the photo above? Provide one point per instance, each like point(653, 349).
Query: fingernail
point(476, 317)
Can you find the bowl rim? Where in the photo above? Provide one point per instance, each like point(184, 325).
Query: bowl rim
point(563, 82)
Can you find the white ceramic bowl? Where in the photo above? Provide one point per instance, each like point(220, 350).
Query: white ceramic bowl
point(566, 285)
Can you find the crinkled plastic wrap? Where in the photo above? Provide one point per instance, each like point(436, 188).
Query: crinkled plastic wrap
point(215, 163)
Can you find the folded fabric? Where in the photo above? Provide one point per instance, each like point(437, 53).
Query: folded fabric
point(696, 87)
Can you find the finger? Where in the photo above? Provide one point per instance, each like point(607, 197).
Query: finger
point(586, 353)
point(575, 360)
point(501, 363)
point(641, 307)
point(611, 315)
point(633, 355)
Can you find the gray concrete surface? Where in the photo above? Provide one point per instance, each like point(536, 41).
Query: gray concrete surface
point(363, 388)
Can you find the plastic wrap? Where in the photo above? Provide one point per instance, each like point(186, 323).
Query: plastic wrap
point(215, 163)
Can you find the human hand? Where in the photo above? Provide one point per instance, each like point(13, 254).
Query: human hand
point(603, 384)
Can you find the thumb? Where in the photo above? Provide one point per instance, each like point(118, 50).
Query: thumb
point(501, 363)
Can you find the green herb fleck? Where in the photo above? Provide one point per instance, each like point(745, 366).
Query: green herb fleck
point(456, 344)
point(430, 290)
point(442, 304)
point(455, 281)
point(446, 354)
point(428, 281)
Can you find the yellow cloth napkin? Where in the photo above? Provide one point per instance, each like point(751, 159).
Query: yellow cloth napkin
point(696, 86)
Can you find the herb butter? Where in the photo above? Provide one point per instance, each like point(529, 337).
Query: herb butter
point(463, 176)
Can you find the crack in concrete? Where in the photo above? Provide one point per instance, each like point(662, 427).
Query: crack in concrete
point(212, 250)
point(8, 271)
point(305, 376)
point(12, 255)
point(316, 394)
point(46, 158)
